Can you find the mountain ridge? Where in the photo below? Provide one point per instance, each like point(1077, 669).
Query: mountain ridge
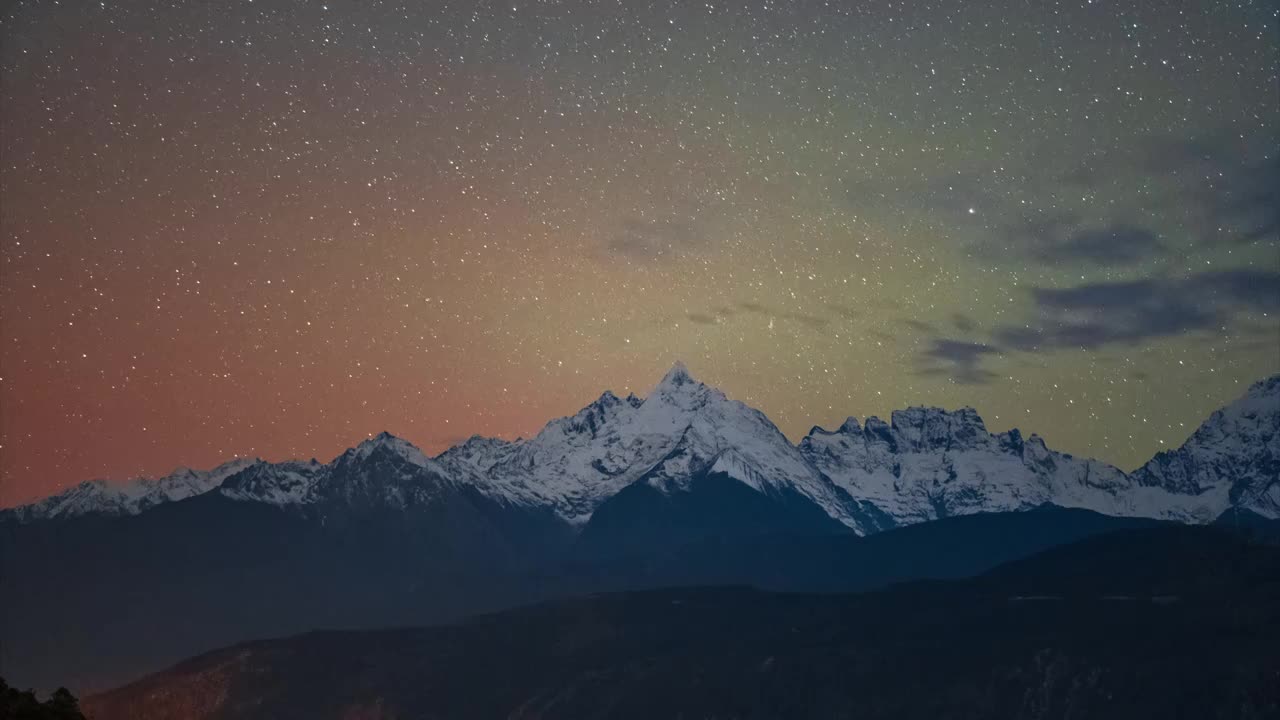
point(923, 463)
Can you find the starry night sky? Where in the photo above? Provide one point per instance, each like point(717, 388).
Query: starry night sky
point(275, 227)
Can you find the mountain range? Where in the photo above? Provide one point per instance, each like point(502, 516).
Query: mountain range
point(682, 487)
point(923, 464)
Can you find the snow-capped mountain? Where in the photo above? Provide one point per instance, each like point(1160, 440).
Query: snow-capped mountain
point(682, 427)
point(923, 464)
point(383, 471)
point(1232, 459)
point(132, 497)
point(292, 482)
point(927, 463)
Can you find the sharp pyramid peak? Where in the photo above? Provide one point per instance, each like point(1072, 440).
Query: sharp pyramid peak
point(396, 444)
point(374, 441)
point(677, 376)
point(680, 389)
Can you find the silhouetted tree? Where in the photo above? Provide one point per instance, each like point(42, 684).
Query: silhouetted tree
point(23, 705)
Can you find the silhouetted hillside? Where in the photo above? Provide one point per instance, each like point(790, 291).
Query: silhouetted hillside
point(1158, 622)
point(132, 595)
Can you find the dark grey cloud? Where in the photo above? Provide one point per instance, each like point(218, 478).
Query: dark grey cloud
point(960, 193)
point(1209, 191)
point(1131, 312)
point(1218, 188)
point(1126, 313)
point(843, 311)
point(813, 322)
point(653, 240)
point(1231, 182)
point(1117, 244)
point(963, 322)
point(1155, 156)
point(960, 196)
point(1243, 205)
point(720, 314)
point(919, 325)
point(1058, 237)
point(959, 360)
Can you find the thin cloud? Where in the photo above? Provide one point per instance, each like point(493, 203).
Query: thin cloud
point(1094, 315)
point(959, 360)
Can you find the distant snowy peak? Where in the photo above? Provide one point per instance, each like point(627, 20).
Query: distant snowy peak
point(590, 418)
point(676, 381)
point(1233, 456)
point(476, 455)
point(923, 429)
point(287, 483)
point(132, 497)
point(928, 463)
point(477, 446)
point(577, 462)
point(917, 429)
point(383, 471)
point(385, 442)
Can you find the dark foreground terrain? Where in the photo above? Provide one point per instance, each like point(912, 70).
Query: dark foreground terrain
point(105, 601)
point(1169, 622)
point(18, 704)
